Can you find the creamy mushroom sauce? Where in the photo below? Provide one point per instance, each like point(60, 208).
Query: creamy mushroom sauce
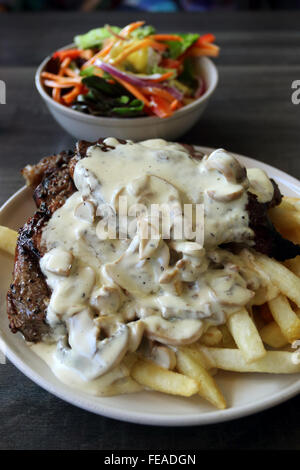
point(109, 294)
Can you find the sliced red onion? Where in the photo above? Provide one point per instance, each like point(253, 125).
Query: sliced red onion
point(141, 82)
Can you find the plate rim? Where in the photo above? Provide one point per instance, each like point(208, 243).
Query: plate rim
point(137, 417)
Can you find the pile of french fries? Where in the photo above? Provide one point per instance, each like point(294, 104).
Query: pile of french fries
point(261, 338)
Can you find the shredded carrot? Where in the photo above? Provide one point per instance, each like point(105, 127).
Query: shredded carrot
point(161, 107)
point(175, 105)
point(207, 46)
point(131, 27)
point(203, 51)
point(61, 55)
point(61, 79)
point(163, 77)
point(53, 84)
point(167, 37)
point(130, 49)
point(70, 97)
point(56, 91)
point(98, 72)
point(86, 54)
point(170, 63)
point(158, 46)
point(70, 73)
point(65, 63)
point(111, 31)
point(205, 39)
point(104, 51)
point(158, 92)
point(56, 95)
point(133, 90)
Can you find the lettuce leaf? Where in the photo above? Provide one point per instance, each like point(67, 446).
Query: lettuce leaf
point(107, 99)
point(177, 48)
point(187, 76)
point(94, 38)
point(134, 108)
point(142, 32)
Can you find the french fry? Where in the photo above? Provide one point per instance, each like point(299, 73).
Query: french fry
point(227, 339)
point(284, 217)
point(123, 386)
point(246, 336)
point(274, 362)
point(272, 335)
point(208, 388)
point(287, 282)
point(212, 336)
point(199, 357)
point(293, 265)
point(8, 240)
point(162, 380)
point(291, 203)
point(129, 360)
point(285, 317)
point(264, 294)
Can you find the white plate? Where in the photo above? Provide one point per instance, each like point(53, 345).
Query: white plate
point(245, 393)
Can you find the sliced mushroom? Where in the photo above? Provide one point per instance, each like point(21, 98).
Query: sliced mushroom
point(84, 366)
point(178, 286)
point(149, 237)
point(110, 352)
point(175, 332)
point(154, 190)
point(136, 331)
point(189, 248)
point(70, 294)
point(57, 261)
point(83, 333)
point(229, 291)
point(142, 311)
point(88, 184)
point(138, 277)
point(108, 324)
point(225, 194)
point(132, 274)
point(164, 357)
point(260, 184)
point(85, 211)
point(228, 165)
point(107, 300)
point(169, 275)
point(148, 247)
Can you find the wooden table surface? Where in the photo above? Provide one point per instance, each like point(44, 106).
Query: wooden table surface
point(251, 113)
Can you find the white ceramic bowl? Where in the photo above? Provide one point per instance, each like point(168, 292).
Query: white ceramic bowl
point(84, 126)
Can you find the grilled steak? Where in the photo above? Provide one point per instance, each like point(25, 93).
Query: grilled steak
point(28, 295)
point(52, 181)
point(267, 239)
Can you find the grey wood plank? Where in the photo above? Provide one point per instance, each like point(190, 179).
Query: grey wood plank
point(245, 37)
point(33, 419)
